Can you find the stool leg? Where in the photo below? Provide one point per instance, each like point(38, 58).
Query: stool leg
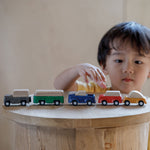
point(148, 148)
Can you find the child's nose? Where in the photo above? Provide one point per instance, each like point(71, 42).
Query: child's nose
point(128, 68)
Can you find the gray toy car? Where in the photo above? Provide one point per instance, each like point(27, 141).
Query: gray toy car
point(19, 96)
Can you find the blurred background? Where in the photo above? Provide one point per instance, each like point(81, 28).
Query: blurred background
point(40, 38)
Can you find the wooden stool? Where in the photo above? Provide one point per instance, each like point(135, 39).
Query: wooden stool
point(79, 127)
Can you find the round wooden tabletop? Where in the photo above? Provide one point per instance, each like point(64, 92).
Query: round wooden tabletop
point(68, 116)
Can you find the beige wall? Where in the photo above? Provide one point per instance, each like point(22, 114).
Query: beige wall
point(40, 38)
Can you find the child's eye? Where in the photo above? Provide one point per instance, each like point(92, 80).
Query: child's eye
point(118, 61)
point(138, 62)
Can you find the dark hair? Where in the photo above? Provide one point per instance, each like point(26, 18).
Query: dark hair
point(136, 34)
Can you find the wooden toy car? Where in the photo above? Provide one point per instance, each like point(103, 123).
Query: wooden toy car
point(81, 97)
point(48, 96)
point(135, 97)
point(19, 96)
point(110, 97)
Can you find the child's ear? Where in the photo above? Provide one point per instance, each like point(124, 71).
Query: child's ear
point(148, 75)
point(105, 71)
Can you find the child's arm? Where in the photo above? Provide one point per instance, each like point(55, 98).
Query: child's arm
point(66, 80)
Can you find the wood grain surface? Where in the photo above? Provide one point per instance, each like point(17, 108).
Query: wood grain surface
point(68, 127)
point(68, 116)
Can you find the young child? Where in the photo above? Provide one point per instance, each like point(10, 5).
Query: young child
point(123, 54)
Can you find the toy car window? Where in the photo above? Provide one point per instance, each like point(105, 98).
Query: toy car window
point(135, 94)
point(109, 93)
point(82, 93)
point(20, 93)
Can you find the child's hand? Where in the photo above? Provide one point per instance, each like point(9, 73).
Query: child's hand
point(94, 73)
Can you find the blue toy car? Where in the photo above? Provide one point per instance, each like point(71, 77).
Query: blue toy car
point(81, 97)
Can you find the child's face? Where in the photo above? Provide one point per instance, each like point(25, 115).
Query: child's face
point(127, 69)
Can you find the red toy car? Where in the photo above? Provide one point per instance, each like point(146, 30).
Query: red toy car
point(110, 97)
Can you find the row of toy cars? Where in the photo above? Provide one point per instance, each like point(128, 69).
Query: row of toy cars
point(56, 97)
point(116, 98)
point(42, 97)
point(110, 97)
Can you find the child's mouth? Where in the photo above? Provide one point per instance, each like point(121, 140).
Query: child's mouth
point(127, 80)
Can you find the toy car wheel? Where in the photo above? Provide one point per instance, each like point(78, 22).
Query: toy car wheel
point(141, 103)
point(104, 102)
point(89, 103)
point(127, 102)
point(74, 103)
point(23, 103)
point(7, 103)
point(57, 103)
point(42, 102)
point(116, 102)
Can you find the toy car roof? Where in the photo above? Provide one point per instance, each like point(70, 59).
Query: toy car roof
point(112, 93)
point(78, 92)
point(20, 92)
point(81, 93)
point(49, 93)
point(136, 94)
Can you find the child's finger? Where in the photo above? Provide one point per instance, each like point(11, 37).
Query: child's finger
point(102, 84)
point(98, 76)
point(91, 74)
point(101, 79)
point(94, 74)
point(102, 75)
point(84, 76)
